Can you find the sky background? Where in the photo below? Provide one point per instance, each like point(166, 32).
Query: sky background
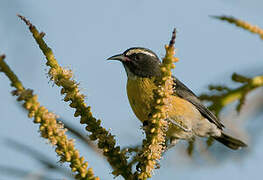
point(83, 34)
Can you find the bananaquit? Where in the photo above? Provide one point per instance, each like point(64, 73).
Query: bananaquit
point(188, 116)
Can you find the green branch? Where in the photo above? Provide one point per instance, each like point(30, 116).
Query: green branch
point(226, 95)
point(243, 24)
point(154, 144)
point(63, 78)
point(49, 128)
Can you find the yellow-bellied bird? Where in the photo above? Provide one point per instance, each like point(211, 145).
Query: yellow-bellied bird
point(188, 116)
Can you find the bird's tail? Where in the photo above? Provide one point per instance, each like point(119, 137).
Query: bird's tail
point(230, 142)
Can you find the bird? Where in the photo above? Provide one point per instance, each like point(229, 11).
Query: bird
point(187, 117)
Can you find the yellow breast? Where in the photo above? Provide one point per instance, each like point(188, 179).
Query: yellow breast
point(140, 95)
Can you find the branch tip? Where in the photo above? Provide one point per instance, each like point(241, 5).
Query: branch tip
point(23, 18)
point(216, 17)
point(212, 16)
point(242, 24)
point(2, 57)
point(172, 42)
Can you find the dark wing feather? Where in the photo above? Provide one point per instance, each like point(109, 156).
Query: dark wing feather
point(182, 91)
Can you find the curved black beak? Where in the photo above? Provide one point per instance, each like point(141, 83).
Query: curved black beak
point(119, 57)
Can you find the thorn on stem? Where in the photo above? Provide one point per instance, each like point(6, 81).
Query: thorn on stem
point(42, 34)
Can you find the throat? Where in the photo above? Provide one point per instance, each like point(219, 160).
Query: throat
point(134, 72)
point(130, 74)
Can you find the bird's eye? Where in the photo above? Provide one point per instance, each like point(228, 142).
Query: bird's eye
point(136, 56)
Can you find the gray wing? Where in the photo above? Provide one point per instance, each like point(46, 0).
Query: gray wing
point(185, 93)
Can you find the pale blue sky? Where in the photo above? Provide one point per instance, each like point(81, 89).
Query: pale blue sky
point(83, 34)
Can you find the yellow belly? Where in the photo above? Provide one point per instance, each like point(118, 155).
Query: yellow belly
point(140, 95)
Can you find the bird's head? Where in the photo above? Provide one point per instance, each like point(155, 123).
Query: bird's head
point(140, 62)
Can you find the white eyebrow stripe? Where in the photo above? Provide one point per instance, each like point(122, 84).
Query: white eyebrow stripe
point(136, 51)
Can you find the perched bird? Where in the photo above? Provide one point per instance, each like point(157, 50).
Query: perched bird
point(188, 116)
